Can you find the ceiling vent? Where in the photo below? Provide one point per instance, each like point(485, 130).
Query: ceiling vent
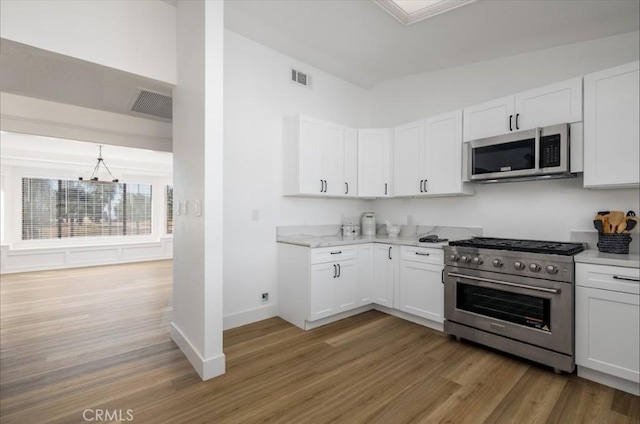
point(153, 104)
point(300, 78)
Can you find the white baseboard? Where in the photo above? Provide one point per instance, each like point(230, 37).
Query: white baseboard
point(408, 317)
point(249, 316)
point(77, 256)
point(206, 368)
point(609, 380)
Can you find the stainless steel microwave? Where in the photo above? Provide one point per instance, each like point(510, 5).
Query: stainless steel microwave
point(525, 155)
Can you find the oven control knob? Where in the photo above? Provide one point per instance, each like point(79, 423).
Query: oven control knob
point(465, 259)
point(454, 258)
point(551, 269)
point(534, 267)
point(497, 263)
point(518, 265)
point(477, 260)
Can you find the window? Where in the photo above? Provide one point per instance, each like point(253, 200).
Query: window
point(67, 208)
point(169, 208)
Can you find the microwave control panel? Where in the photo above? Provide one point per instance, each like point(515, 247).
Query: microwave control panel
point(550, 151)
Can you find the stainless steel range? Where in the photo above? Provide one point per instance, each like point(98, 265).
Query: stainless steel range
point(513, 295)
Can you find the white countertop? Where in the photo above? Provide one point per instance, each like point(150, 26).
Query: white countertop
point(335, 240)
point(594, 256)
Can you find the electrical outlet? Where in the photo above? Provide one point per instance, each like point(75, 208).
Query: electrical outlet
point(265, 297)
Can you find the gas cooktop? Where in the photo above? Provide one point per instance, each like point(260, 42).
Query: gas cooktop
point(515, 245)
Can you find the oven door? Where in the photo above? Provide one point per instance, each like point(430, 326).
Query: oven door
point(530, 310)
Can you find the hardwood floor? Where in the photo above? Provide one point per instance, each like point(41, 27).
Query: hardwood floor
point(90, 340)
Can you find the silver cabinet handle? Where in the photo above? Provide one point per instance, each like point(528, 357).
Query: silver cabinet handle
point(421, 189)
point(425, 186)
point(339, 252)
point(617, 277)
point(339, 271)
point(504, 283)
point(422, 254)
point(335, 271)
point(389, 252)
point(385, 189)
point(321, 186)
point(346, 188)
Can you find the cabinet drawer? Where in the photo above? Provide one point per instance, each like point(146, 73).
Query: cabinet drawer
point(333, 254)
point(421, 254)
point(612, 278)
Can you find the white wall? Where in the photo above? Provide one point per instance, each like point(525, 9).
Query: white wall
point(198, 163)
point(417, 96)
point(258, 95)
point(133, 36)
point(536, 210)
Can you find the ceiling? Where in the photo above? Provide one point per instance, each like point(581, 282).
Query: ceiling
point(355, 40)
point(42, 74)
point(360, 42)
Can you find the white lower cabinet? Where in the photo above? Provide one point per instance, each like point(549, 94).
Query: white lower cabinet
point(421, 291)
point(385, 264)
point(608, 325)
point(364, 286)
point(316, 284)
point(333, 288)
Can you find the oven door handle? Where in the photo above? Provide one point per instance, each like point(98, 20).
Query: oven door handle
point(504, 283)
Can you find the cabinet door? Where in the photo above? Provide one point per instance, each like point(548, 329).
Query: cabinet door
point(321, 303)
point(558, 103)
point(364, 286)
point(607, 332)
point(384, 258)
point(345, 285)
point(374, 163)
point(443, 154)
point(310, 133)
point(489, 119)
point(611, 135)
point(408, 157)
point(421, 290)
point(333, 159)
point(350, 162)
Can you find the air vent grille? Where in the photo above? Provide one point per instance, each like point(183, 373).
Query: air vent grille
point(300, 78)
point(154, 104)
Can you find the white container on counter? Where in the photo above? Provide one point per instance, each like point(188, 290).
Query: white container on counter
point(368, 224)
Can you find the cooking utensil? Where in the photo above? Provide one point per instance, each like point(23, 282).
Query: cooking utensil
point(631, 213)
point(615, 219)
point(598, 224)
point(631, 223)
point(606, 227)
point(603, 213)
point(621, 227)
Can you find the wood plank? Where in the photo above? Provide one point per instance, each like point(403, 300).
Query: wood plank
point(99, 338)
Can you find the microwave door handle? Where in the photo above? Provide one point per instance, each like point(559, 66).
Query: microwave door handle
point(537, 150)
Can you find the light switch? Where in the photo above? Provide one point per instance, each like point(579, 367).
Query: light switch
point(197, 206)
point(185, 207)
point(255, 215)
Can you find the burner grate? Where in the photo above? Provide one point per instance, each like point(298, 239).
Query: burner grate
point(530, 246)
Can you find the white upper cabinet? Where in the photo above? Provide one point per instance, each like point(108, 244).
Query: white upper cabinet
point(488, 119)
point(350, 162)
point(611, 135)
point(315, 158)
point(549, 105)
point(374, 162)
point(443, 156)
point(428, 157)
point(409, 159)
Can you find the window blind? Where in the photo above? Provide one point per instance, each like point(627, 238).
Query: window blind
point(67, 208)
point(169, 208)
